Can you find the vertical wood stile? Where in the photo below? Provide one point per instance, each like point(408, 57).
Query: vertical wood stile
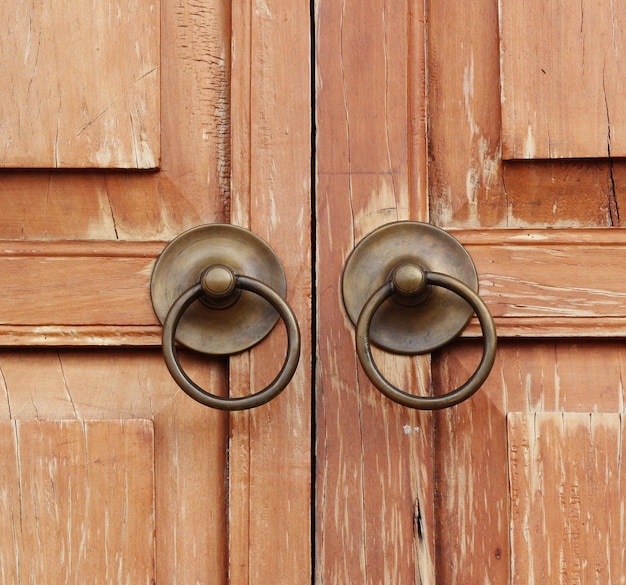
point(270, 447)
point(374, 458)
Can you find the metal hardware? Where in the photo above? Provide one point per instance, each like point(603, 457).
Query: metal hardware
point(410, 288)
point(219, 289)
point(241, 323)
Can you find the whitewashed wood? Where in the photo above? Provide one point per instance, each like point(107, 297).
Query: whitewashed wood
point(562, 87)
point(189, 439)
point(270, 447)
point(374, 500)
point(567, 493)
point(86, 99)
point(77, 502)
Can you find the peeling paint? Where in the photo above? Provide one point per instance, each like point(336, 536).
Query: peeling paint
point(529, 144)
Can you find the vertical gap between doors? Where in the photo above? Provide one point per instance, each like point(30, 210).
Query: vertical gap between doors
point(313, 293)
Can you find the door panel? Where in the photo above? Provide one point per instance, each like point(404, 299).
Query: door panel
point(475, 499)
point(470, 185)
point(189, 443)
point(89, 99)
point(232, 493)
point(88, 483)
point(566, 491)
point(559, 64)
point(557, 288)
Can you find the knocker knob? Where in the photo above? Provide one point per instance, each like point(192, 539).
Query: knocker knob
point(410, 285)
point(218, 282)
point(219, 286)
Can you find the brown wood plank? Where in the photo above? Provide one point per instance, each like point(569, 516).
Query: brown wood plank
point(66, 478)
point(561, 62)
point(270, 447)
point(465, 173)
point(555, 282)
point(374, 503)
point(471, 457)
point(535, 282)
point(189, 439)
point(470, 474)
point(567, 489)
point(89, 99)
point(68, 293)
point(80, 293)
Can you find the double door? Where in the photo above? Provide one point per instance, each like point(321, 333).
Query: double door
point(310, 126)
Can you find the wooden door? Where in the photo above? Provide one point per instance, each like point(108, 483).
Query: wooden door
point(125, 123)
point(111, 474)
point(502, 123)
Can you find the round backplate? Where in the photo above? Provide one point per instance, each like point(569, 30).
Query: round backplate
point(180, 265)
point(404, 329)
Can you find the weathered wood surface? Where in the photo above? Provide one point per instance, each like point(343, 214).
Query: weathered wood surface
point(77, 501)
point(86, 99)
point(567, 493)
point(270, 450)
point(193, 183)
point(188, 459)
point(472, 453)
point(540, 283)
point(470, 185)
point(86, 281)
point(535, 282)
point(562, 87)
point(374, 459)
point(523, 275)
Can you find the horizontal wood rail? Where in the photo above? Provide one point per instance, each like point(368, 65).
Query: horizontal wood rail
point(72, 293)
point(536, 283)
point(551, 282)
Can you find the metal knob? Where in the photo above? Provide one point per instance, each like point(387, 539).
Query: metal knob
point(411, 288)
point(219, 289)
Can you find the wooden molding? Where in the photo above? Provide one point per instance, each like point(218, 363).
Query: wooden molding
point(537, 283)
point(545, 282)
point(72, 293)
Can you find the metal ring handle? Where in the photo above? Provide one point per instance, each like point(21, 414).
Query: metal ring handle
point(241, 403)
point(427, 402)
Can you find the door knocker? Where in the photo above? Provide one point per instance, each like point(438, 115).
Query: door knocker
point(219, 289)
point(410, 288)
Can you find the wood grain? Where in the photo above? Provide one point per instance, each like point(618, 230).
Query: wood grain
point(78, 293)
point(189, 455)
point(550, 282)
point(374, 474)
point(89, 99)
point(270, 451)
point(192, 185)
point(567, 487)
point(472, 454)
point(561, 63)
point(535, 283)
point(88, 483)
point(465, 173)
point(470, 184)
